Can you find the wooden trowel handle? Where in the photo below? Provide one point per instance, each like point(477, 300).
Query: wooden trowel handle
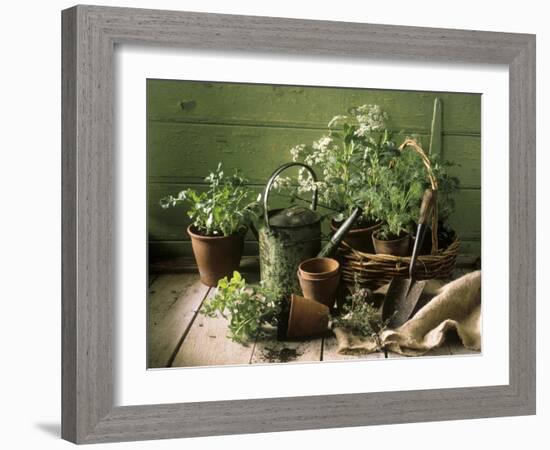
point(426, 207)
point(428, 202)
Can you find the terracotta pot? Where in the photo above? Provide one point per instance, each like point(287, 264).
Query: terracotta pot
point(359, 238)
point(216, 256)
point(395, 247)
point(319, 279)
point(307, 317)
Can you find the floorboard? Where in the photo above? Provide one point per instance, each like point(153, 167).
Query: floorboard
point(179, 336)
point(173, 303)
point(207, 344)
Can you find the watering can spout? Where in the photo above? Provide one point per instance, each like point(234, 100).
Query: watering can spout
point(331, 245)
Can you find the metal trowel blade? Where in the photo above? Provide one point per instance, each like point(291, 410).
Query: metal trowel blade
point(401, 299)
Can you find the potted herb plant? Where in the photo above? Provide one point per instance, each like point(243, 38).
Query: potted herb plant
point(349, 157)
point(397, 199)
point(220, 218)
point(399, 210)
point(393, 237)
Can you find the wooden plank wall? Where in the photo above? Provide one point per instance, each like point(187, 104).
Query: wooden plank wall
point(193, 125)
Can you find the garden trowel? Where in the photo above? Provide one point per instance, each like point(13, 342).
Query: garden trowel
point(403, 293)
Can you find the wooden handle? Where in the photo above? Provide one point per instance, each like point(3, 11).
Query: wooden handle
point(328, 249)
point(428, 201)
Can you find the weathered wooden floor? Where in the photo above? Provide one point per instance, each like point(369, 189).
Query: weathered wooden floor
point(179, 336)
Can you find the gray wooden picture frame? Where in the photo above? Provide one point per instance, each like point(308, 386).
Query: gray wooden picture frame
point(90, 34)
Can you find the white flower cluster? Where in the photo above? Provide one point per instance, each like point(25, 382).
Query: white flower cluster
point(370, 118)
point(321, 150)
point(323, 144)
point(306, 183)
point(296, 151)
point(341, 156)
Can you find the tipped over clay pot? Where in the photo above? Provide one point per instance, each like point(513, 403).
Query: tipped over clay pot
point(216, 256)
point(307, 317)
point(319, 279)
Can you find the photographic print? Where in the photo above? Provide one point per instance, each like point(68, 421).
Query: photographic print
point(293, 224)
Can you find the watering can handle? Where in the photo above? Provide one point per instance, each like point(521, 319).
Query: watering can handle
point(274, 176)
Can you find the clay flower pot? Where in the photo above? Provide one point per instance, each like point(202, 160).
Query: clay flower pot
point(319, 279)
point(216, 256)
point(395, 247)
point(307, 318)
point(359, 238)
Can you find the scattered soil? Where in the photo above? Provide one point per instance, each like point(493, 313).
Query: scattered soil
point(283, 355)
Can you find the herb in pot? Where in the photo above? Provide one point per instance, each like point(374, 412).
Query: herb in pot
point(220, 217)
point(397, 200)
point(399, 205)
point(348, 156)
point(408, 170)
point(224, 209)
point(400, 194)
point(246, 307)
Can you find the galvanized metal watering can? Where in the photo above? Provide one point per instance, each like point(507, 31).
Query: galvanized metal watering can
point(287, 237)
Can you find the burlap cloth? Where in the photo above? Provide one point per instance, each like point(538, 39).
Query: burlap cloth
point(454, 306)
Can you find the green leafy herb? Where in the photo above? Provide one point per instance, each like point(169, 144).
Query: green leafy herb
point(348, 157)
point(246, 307)
point(360, 166)
point(224, 209)
point(399, 196)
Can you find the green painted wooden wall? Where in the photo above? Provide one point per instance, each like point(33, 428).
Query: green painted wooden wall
point(193, 125)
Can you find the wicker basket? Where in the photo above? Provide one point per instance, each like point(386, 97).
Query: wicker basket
point(375, 270)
